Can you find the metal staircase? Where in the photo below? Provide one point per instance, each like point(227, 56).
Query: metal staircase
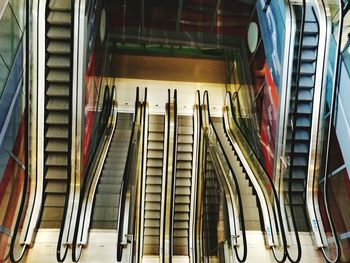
point(153, 191)
point(182, 209)
point(298, 140)
point(57, 112)
point(106, 206)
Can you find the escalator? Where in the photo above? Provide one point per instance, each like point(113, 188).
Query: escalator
point(183, 186)
point(298, 140)
point(249, 200)
point(153, 185)
point(106, 203)
point(57, 113)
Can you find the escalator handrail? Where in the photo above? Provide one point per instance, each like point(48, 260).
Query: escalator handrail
point(126, 180)
point(21, 210)
point(332, 117)
point(143, 171)
point(239, 196)
point(106, 107)
point(290, 170)
point(266, 176)
point(173, 176)
point(199, 136)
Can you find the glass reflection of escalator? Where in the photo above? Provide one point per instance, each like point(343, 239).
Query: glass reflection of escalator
point(57, 111)
point(183, 181)
point(153, 185)
point(106, 203)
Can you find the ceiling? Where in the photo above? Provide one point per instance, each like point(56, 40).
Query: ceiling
point(179, 22)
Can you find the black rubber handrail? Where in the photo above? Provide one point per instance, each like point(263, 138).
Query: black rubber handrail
point(144, 142)
point(199, 137)
point(240, 258)
point(102, 124)
point(332, 119)
point(173, 177)
point(266, 175)
point(166, 165)
point(12, 256)
point(126, 180)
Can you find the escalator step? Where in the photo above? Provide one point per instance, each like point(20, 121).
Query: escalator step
point(59, 47)
point(182, 191)
point(310, 41)
point(108, 189)
point(56, 173)
point(181, 225)
point(60, 5)
point(308, 55)
point(301, 148)
point(107, 200)
point(58, 90)
point(152, 223)
point(56, 159)
point(155, 154)
point(57, 118)
point(152, 145)
point(182, 216)
point(57, 104)
point(184, 182)
point(186, 173)
point(299, 161)
point(155, 127)
point(180, 233)
point(57, 132)
point(152, 206)
point(306, 82)
point(156, 119)
point(155, 189)
point(182, 199)
point(304, 107)
point(154, 163)
point(152, 215)
point(310, 28)
point(53, 215)
point(184, 147)
point(54, 145)
point(104, 224)
point(56, 187)
point(155, 180)
point(185, 130)
point(59, 18)
point(184, 157)
point(111, 180)
point(156, 137)
point(102, 214)
point(182, 208)
point(302, 135)
point(58, 76)
point(55, 200)
point(307, 68)
point(303, 121)
point(305, 95)
point(185, 139)
point(56, 61)
point(184, 165)
point(154, 171)
point(152, 197)
point(59, 33)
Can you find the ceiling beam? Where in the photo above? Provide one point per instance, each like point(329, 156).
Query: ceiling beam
point(215, 16)
point(179, 13)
